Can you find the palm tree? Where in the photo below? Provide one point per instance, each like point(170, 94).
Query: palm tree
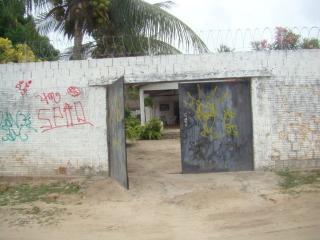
point(74, 18)
point(130, 24)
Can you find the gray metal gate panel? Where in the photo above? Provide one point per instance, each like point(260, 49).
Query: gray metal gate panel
point(216, 127)
point(116, 133)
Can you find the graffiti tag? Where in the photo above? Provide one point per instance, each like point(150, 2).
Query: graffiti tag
point(73, 91)
point(54, 97)
point(70, 115)
point(23, 86)
point(60, 114)
point(15, 127)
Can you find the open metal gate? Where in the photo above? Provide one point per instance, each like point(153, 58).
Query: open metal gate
point(216, 126)
point(117, 154)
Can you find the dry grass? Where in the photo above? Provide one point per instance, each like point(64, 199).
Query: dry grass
point(24, 193)
point(292, 179)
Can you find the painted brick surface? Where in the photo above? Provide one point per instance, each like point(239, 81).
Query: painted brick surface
point(51, 123)
point(286, 122)
point(285, 107)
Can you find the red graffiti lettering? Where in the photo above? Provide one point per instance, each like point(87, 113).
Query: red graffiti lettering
point(51, 96)
point(79, 112)
point(23, 86)
point(73, 91)
point(67, 110)
point(61, 115)
point(44, 117)
point(57, 115)
point(73, 116)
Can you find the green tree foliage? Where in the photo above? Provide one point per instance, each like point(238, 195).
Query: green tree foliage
point(138, 28)
point(286, 39)
point(7, 52)
point(74, 18)
point(119, 27)
point(148, 102)
point(132, 92)
point(21, 28)
point(18, 53)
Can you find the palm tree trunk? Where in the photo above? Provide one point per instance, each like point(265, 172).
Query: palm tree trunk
point(77, 47)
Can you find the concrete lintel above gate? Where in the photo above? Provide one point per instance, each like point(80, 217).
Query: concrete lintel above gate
point(103, 81)
point(195, 76)
point(181, 77)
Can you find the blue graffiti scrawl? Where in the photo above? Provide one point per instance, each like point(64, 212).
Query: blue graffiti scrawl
point(15, 127)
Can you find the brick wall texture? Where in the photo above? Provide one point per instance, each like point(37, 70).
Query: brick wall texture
point(53, 114)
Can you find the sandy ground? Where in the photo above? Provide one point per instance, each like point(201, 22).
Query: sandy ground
point(163, 204)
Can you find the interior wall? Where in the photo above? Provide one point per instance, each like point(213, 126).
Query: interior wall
point(168, 115)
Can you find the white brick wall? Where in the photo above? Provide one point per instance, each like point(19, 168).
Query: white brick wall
point(285, 104)
point(48, 137)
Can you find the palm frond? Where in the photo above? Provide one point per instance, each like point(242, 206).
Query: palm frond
point(130, 16)
point(86, 51)
point(124, 46)
point(158, 47)
point(165, 4)
point(46, 23)
point(42, 5)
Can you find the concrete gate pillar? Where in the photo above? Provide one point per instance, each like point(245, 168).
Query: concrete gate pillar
point(142, 112)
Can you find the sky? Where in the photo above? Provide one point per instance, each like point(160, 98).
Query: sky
point(256, 19)
point(204, 15)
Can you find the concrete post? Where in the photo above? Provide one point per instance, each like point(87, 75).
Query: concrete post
point(142, 112)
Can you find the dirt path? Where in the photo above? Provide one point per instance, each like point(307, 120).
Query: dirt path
point(163, 204)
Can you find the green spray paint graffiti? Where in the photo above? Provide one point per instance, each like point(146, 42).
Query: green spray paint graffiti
point(206, 113)
point(13, 128)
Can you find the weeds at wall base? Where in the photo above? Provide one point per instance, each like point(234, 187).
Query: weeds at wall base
point(26, 193)
point(292, 179)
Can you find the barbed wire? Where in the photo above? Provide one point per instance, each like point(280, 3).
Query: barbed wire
point(219, 40)
point(241, 39)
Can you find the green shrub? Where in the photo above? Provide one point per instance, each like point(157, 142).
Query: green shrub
point(311, 43)
point(152, 130)
point(127, 113)
point(133, 127)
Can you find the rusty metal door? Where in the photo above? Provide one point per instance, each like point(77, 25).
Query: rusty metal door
point(216, 126)
point(117, 155)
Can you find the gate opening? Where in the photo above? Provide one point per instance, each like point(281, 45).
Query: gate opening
point(156, 156)
point(207, 127)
